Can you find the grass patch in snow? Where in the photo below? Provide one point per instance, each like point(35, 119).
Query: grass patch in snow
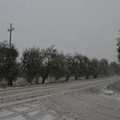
point(114, 86)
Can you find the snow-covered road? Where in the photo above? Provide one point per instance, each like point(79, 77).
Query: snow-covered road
point(78, 100)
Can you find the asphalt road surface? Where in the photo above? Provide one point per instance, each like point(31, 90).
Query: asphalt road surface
point(77, 100)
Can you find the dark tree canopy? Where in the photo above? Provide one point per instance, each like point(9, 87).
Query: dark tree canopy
point(32, 62)
point(8, 64)
point(118, 48)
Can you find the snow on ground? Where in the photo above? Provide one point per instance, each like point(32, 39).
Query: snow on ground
point(70, 101)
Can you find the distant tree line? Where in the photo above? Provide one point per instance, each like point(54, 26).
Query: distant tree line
point(50, 63)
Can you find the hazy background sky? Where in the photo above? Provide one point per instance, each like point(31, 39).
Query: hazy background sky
point(89, 27)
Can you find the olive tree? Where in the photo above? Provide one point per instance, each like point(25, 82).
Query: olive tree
point(57, 65)
point(78, 65)
point(118, 48)
point(114, 68)
point(103, 67)
point(32, 63)
point(95, 68)
point(8, 63)
point(47, 55)
point(86, 67)
point(68, 66)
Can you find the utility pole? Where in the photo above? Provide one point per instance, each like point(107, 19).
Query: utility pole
point(10, 30)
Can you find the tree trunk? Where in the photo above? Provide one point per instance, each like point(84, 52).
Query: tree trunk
point(76, 78)
point(95, 76)
point(87, 77)
point(10, 82)
point(56, 78)
point(37, 80)
point(43, 80)
point(67, 78)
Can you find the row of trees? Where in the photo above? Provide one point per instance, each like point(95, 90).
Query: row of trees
point(49, 62)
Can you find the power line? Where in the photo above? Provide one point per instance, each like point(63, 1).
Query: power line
point(10, 30)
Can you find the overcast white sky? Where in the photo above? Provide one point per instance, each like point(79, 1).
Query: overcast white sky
point(89, 27)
